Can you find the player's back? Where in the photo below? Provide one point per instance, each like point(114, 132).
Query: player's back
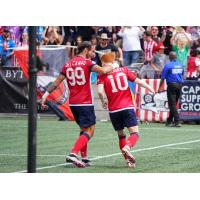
point(77, 72)
point(117, 89)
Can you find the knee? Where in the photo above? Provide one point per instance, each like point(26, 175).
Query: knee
point(121, 134)
point(89, 130)
point(133, 129)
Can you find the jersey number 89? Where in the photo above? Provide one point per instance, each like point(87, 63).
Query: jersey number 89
point(75, 76)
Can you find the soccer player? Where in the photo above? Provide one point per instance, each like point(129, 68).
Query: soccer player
point(120, 104)
point(77, 73)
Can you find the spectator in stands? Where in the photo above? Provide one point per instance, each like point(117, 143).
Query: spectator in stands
point(195, 45)
point(68, 33)
point(1, 30)
point(191, 66)
point(197, 64)
point(116, 40)
point(23, 40)
point(86, 32)
point(94, 40)
point(181, 45)
point(78, 42)
point(159, 60)
point(39, 33)
point(102, 29)
point(150, 47)
point(155, 32)
point(15, 32)
point(104, 46)
point(180, 34)
point(131, 43)
point(6, 48)
point(194, 31)
point(166, 38)
point(52, 36)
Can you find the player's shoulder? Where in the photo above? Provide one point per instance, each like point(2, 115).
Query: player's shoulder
point(119, 70)
point(67, 64)
point(123, 69)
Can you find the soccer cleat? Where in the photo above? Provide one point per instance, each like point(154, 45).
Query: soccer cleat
point(169, 124)
point(127, 154)
point(130, 164)
point(177, 124)
point(87, 162)
point(71, 158)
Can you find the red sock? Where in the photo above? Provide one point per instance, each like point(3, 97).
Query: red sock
point(132, 139)
point(122, 141)
point(80, 143)
point(84, 151)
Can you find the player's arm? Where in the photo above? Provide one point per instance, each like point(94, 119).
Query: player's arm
point(144, 84)
point(102, 70)
point(51, 88)
point(101, 94)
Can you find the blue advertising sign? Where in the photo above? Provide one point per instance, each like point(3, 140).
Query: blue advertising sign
point(190, 101)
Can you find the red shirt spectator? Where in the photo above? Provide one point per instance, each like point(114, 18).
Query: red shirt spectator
point(150, 46)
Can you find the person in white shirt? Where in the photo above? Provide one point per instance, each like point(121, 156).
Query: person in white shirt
point(131, 43)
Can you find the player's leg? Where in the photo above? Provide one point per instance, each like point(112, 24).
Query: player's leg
point(122, 138)
point(171, 101)
point(118, 124)
point(130, 121)
point(85, 118)
point(122, 143)
point(84, 150)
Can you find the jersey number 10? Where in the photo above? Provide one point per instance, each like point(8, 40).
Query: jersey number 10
point(75, 76)
point(118, 85)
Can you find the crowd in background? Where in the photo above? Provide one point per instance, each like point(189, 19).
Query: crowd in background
point(143, 49)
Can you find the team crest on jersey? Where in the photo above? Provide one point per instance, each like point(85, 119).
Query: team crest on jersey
point(156, 103)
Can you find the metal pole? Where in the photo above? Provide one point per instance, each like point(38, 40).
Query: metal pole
point(32, 104)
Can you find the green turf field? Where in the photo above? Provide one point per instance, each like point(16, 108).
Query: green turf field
point(159, 149)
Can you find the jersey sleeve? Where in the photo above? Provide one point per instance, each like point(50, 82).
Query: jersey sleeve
point(100, 79)
point(131, 75)
point(90, 64)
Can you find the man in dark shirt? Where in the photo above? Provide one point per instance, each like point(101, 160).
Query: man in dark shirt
point(173, 72)
point(105, 47)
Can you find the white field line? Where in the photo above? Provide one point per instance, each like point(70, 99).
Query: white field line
point(178, 148)
point(116, 154)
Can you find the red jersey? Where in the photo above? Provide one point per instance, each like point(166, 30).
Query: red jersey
point(117, 89)
point(149, 49)
point(77, 72)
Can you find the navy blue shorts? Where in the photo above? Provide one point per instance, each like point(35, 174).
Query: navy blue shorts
point(124, 118)
point(84, 115)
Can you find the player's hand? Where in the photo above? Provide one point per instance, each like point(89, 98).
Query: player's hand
point(120, 60)
point(105, 104)
point(42, 102)
point(115, 65)
point(152, 91)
